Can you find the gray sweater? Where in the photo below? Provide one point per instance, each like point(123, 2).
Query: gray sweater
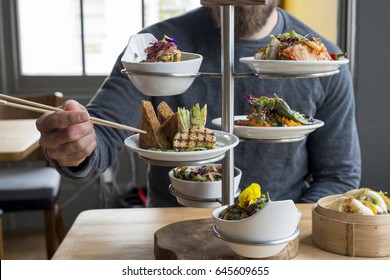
point(331, 154)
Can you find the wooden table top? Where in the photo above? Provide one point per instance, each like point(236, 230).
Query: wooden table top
point(18, 139)
point(125, 234)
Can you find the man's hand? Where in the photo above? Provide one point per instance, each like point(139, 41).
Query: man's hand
point(68, 136)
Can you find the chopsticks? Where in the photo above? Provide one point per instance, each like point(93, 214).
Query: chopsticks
point(42, 108)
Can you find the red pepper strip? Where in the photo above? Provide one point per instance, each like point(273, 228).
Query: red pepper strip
point(336, 56)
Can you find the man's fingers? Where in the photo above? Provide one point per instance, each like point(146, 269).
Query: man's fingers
point(73, 153)
point(56, 137)
point(67, 135)
point(62, 119)
point(72, 105)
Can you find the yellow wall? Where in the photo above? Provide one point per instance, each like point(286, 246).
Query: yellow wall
point(321, 15)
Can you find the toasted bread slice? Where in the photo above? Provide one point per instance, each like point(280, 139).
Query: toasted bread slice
point(163, 112)
point(150, 124)
point(169, 128)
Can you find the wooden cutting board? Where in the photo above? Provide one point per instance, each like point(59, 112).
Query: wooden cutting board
point(195, 240)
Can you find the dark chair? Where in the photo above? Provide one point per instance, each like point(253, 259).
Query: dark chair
point(32, 184)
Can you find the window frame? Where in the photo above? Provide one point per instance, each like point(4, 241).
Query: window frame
point(14, 82)
point(347, 11)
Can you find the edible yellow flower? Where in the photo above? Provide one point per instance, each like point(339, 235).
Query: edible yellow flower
point(249, 196)
point(167, 39)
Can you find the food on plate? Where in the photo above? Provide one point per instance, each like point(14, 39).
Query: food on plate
point(164, 112)
point(363, 201)
point(153, 138)
point(249, 202)
point(293, 46)
point(204, 173)
point(267, 111)
point(183, 130)
point(192, 132)
point(337, 56)
point(165, 50)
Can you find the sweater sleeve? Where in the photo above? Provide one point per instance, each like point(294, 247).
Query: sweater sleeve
point(81, 173)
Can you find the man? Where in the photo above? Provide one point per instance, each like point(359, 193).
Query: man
point(330, 156)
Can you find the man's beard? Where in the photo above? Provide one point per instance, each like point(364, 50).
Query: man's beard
point(248, 19)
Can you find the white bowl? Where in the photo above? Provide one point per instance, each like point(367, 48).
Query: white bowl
point(158, 78)
point(196, 202)
point(191, 201)
point(209, 192)
point(257, 250)
point(145, 75)
point(277, 220)
point(212, 189)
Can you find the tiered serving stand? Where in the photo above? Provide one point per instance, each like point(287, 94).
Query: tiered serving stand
point(195, 239)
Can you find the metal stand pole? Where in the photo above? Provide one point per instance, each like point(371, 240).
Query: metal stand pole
point(227, 66)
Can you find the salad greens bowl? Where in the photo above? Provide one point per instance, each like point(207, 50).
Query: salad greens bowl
point(202, 184)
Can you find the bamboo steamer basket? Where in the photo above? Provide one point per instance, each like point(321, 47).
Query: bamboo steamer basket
point(350, 234)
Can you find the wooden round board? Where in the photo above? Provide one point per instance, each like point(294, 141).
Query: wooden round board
point(195, 240)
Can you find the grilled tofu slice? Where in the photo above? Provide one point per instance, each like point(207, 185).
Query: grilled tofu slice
point(195, 138)
point(192, 131)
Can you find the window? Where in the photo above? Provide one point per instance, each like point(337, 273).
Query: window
point(83, 37)
point(71, 45)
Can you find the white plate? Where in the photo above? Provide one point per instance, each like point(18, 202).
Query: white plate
point(271, 133)
point(291, 67)
point(225, 141)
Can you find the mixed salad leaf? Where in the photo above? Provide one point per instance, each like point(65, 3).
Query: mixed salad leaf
point(204, 173)
point(294, 46)
point(272, 112)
